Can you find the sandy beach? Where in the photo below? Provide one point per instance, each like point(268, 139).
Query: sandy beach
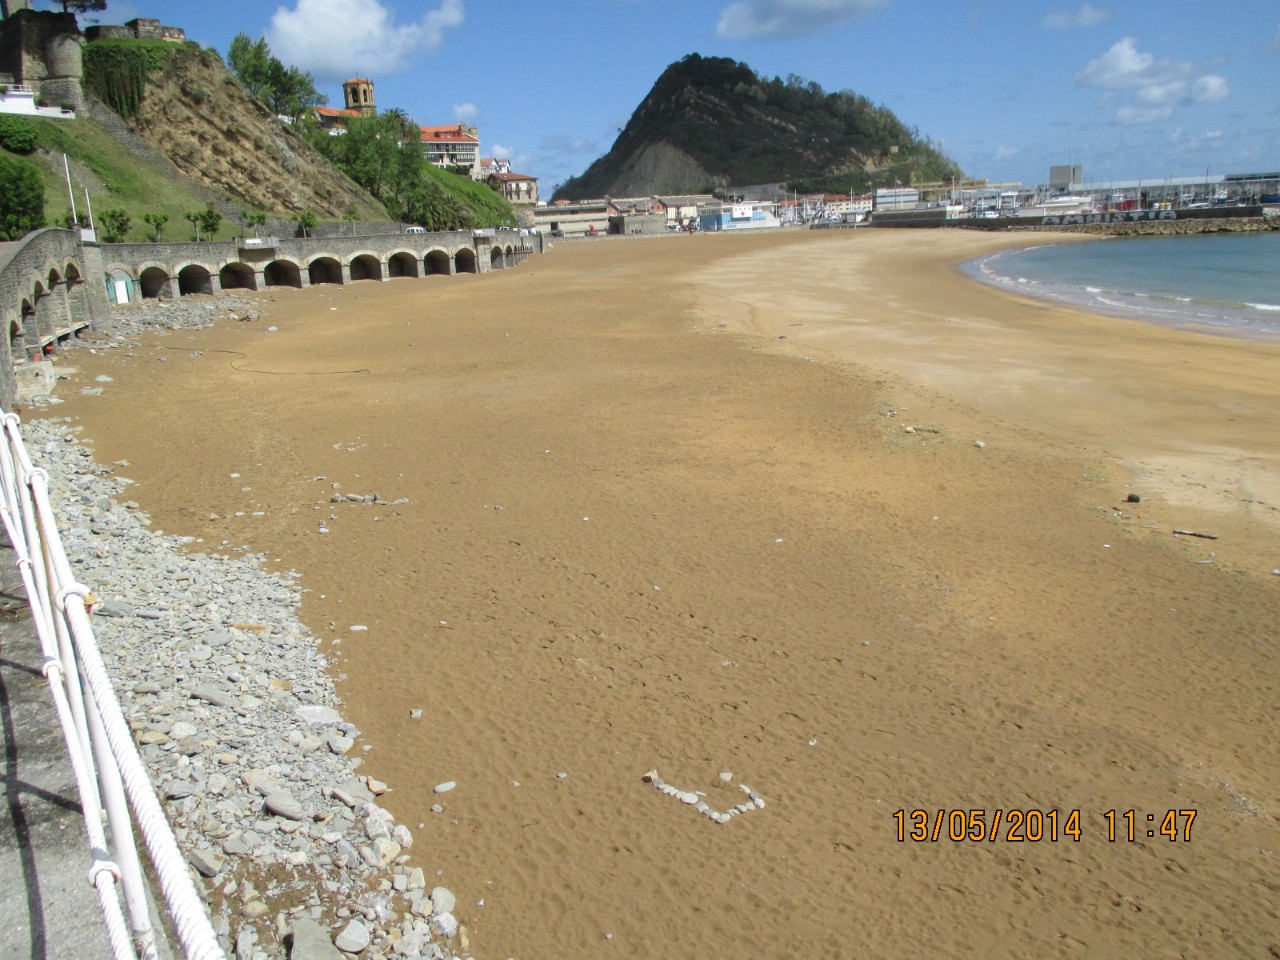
point(813, 509)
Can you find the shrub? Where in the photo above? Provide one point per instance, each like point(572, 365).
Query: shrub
point(116, 71)
point(115, 224)
point(21, 198)
point(17, 134)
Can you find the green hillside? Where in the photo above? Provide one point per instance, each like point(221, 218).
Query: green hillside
point(710, 122)
point(115, 180)
point(490, 208)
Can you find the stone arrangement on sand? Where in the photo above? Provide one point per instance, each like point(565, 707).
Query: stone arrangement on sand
point(236, 717)
point(697, 799)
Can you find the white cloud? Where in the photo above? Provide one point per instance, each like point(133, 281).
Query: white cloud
point(1087, 16)
point(1154, 87)
point(1275, 42)
point(337, 38)
point(465, 112)
point(773, 19)
point(501, 152)
point(1210, 88)
point(1130, 115)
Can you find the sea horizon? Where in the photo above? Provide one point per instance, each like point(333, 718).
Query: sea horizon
point(1228, 284)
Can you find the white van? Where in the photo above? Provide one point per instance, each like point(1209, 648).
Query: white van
point(414, 230)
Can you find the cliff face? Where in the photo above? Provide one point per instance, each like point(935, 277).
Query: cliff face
point(196, 114)
point(710, 122)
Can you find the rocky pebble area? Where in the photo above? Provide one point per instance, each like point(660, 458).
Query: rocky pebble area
point(235, 714)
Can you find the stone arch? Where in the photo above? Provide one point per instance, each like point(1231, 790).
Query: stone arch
point(154, 282)
point(366, 266)
point(54, 277)
point(496, 260)
point(324, 269)
point(79, 309)
point(238, 276)
point(194, 278)
point(282, 273)
point(120, 285)
point(464, 259)
point(438, 261)
point(30, 329)
point(402, 264)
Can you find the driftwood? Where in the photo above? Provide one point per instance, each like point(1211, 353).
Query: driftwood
point(1196, 533)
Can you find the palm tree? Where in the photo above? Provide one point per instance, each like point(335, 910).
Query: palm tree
point(400, 118)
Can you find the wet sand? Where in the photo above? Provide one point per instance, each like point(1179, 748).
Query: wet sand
point(645, 532)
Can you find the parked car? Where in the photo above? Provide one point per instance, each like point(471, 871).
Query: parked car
point(414, 230)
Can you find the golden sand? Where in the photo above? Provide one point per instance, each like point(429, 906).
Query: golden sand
point(646, 532)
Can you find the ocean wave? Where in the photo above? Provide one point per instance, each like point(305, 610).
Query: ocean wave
point(1263, 306)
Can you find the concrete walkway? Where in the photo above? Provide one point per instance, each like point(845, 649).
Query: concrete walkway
point(48, 911)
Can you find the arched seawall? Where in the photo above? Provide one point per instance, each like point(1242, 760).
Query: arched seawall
point(54, 283)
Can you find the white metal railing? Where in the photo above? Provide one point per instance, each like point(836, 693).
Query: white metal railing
point(108, 769)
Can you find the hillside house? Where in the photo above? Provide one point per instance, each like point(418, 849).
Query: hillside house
point(518, 188)
point(454, 145)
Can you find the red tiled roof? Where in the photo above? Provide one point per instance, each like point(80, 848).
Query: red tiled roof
point(337, 112)
point(454, 132)
point(509, 177)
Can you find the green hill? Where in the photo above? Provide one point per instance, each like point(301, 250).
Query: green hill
point(711, 122)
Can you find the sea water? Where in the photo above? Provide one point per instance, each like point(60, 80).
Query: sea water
point(1227, 281)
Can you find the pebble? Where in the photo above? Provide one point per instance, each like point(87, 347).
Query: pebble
point(233, 710)
point(444, 787)
point(354, 938)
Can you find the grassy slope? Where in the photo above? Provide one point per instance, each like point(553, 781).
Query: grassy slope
point(115, 178)
point(491, 208)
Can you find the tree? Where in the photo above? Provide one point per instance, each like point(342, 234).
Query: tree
point(429, 206)
point(115, 224)
point(291, 92)
point(252, 221)
point(193, 217)
point(157, 221)
point(21, 198)
point(210, 220)
point(307, 221)
point(383, 154)
point(287, 91)
point(250, 62)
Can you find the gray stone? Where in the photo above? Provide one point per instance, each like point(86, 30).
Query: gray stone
point(353, 939)
point(215, 695)
point(442, 900)
point(261, 781)
point(311, 942)
point(283, 804)
point(207, 862)
point(317, 716)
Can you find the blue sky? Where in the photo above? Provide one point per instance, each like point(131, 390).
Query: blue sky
point(1128, 88)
